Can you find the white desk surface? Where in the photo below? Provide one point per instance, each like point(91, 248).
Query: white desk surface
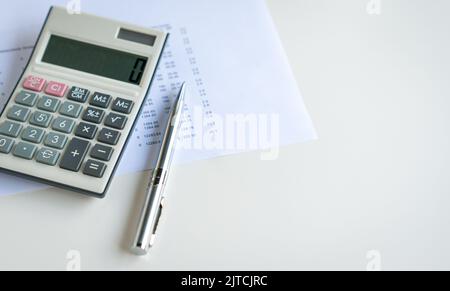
point(377, 88)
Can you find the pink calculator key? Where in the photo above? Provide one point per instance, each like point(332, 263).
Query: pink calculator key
point(56, 89)
point(34, 83)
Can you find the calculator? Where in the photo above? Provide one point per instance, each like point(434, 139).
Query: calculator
point(74, 108)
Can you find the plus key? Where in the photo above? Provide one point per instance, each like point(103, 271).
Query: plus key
point(74, 155)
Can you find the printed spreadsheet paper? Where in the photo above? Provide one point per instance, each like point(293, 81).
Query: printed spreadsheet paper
point(226, 50)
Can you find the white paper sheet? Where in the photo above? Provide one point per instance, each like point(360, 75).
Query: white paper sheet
point(226, 50)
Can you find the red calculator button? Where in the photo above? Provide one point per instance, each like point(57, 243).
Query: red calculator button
point(56, 89)
point(34, 83)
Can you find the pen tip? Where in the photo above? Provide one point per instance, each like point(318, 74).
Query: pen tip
point(182, 92)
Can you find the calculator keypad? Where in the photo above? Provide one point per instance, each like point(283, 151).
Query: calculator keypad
point(25, 150)
point(33, 134)
point(34, 83)
point(48, 104)
point(86, 130)
point(100, 100)
point(74, 155)
point(78, 94)
point(10, 129)
point(41, 119)
point(6, 145)
point(55, 140)
point(94, 115)
point(26, 98)
point(55, 125)
point(56, 89)
point(63, 124)
point(122, 105)
point(47, 156)
point(102, 152)
point(109, 136)
point(94, 169)
point(70, 109)
point(18, 113)
point(116, 121)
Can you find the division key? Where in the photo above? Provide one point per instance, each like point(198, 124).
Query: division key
point(74, 155)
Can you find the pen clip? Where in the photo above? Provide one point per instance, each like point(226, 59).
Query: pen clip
point(157, 219)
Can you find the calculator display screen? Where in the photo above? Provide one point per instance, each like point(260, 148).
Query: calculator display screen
point(94, 59)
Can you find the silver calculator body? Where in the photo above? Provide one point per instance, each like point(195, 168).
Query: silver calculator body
point(74, 108)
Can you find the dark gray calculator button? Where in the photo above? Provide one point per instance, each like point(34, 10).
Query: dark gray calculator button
point(102, 152)
point(32, 134)
point(93, 115)
point(94, 169)
point(47, 156)
point(41, 119)
point(26, 98)
point(6, 145)
point(10, 129)
point(18, 113)
point(100, 100)
point(24, 150)
point(63, 125)
point(70, 109)
point(55, 140)
point(108, 136)
point(48, 104)
point(78, 94)
point(116, 121)
point(74, 155)
point(86, 130)
point(122, 105)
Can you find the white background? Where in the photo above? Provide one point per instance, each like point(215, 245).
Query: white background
point(377, 87)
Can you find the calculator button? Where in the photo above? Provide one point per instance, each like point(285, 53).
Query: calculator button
point(32, 134)
point(108, 136)
point(18, 113)
point(86, 130)
point(41, 119)
point(56, 89)
point(34, 83)
point(122, 105)
point(116, 121)
point(100, 100)
point(94, 169)
point(70, 109)
point(24, 150)
point(74, 155)
point(102, 152)
point(55, 140)
point(10, 129)
point(48, 104)
point(78, 94)
point(6, 145)
point(26, 98)
point(47, 156)
point(63, 125)
point(93, 115)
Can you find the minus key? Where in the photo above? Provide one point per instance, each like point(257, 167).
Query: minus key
point(101, 152)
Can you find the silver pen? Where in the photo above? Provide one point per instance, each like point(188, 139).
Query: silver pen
point(154, 201)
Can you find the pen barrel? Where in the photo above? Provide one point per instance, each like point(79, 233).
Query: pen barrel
point(150, 213)
point(152, 209)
